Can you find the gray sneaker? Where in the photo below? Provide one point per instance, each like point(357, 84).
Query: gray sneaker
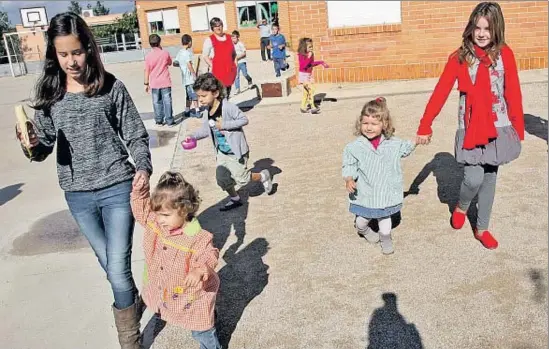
point(268, 182)
point(370, 236)
point(387, 245)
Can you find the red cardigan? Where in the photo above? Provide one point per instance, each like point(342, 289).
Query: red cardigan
point(512, 93)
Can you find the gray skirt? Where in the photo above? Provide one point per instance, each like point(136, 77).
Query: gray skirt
point(501, 150)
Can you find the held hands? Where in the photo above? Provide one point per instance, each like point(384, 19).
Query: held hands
point(350, 185)
point(141, 185)
point(424, 139)
point(196, 276)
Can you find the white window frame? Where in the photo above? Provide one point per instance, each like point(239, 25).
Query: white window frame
point(258, 13)
point(205, 27)
point(363, 13)
point(164, 31)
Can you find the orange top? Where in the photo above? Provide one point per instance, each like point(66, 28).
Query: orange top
point(169, 256)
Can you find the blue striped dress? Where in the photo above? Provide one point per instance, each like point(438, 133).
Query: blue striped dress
point(378, 175)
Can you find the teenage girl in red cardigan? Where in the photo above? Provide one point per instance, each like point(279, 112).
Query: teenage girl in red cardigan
point(491, 120)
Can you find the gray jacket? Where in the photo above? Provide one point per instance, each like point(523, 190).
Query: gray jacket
point(233, 120)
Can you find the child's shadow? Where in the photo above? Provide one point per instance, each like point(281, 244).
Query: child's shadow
point(242, 279)
point(256, 189)
point(536, 126)
point(219, 223)
point(449, 175)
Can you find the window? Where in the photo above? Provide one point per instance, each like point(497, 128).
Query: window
point(163, 22)
point(250, 13)
point(360, 13)
point(202, 14)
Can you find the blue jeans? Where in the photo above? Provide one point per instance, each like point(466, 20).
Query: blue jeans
point(278, 65)
point(105, 218)
point(162, 105)
point(207, 339)
point(244, 69)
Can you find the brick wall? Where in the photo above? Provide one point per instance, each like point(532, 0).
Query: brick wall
point(418, 47)
point(250, 36)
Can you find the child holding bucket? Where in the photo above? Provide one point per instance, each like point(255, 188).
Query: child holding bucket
point(223, 123)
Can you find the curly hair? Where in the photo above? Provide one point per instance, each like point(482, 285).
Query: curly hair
point(174, 192)
point(376, 108)
point(208, 82)
point(493, 14)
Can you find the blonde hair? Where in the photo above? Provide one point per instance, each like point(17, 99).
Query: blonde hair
point(174, 192)
point(492, 12)
point(376, 108)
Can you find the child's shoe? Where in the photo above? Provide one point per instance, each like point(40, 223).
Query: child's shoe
point(486, 239)
point(370, 235)
point(267, 181)
point(386, 244)
point(458, 219)
point(315, 110)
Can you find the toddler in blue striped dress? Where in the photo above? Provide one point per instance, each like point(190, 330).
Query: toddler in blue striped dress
point(373, 173)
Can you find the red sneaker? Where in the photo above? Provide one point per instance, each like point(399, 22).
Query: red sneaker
point(458, 219)
point(487, 240)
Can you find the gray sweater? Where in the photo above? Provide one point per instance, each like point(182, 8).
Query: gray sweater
point(90, 133)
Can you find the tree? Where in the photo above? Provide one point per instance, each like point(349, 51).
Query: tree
point(5, 27)
point(75, 7)
point(126, 24)
point(99, 9)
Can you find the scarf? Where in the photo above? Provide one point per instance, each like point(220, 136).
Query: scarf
point(479, 119)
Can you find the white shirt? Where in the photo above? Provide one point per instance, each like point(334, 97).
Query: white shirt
point(240, 49)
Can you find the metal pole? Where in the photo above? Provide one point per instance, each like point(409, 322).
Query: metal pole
point(8, 52)
point(124, 41)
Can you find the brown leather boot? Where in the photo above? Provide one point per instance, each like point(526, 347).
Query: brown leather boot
point(127, 325)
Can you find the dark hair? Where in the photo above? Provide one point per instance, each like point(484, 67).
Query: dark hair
point(302, 48)
point(275, 25)
point(214, 22)
point(51, 85)
point(154, 40)
point(174, 192)
point(208, 82)
point(236, 33)
point(186, 39)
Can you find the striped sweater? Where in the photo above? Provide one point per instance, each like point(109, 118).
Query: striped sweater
point(377, 172)
point(93, 136)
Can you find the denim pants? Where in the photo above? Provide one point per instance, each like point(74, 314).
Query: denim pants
point(207, 339)
point(162, 105)
point(105, 218)
point(265, 50)
point(278, 65)
point(244, 69)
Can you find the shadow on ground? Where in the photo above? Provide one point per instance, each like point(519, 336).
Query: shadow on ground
point(57, 232)
point(449, 175)
point(536, 126)
point(10, 192)
point(388, 329)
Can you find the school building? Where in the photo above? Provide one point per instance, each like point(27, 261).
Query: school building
point(360, 40)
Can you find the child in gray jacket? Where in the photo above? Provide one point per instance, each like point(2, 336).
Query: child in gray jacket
point(223, 123)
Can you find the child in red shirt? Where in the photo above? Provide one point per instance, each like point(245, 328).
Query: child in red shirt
point(491, 120)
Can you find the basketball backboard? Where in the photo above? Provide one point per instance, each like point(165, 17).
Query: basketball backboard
point(33, 17)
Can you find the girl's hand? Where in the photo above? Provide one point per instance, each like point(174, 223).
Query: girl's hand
point(141, 184)
point(423, 140)
point(196, 276)
point(218, 124)
point(33, 139)
point(325, 65)
point(350, 184)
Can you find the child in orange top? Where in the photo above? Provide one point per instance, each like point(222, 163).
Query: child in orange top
point(180, 283)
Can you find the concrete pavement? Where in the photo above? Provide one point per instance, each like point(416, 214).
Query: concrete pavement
point(294, 272)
